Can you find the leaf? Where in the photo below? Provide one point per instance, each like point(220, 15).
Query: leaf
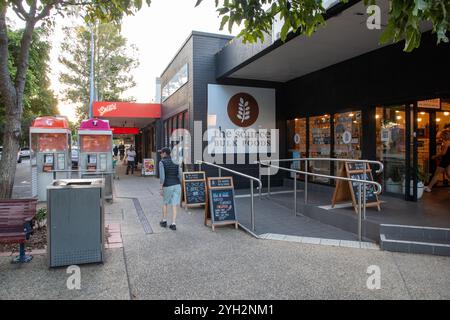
point(224, 21)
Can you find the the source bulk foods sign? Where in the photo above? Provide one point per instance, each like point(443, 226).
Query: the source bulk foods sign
point(241, 120)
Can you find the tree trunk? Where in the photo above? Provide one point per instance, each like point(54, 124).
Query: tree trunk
point(12, 98)
point(9, 157)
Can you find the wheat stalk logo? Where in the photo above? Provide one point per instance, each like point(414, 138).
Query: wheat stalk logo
point(243, 110)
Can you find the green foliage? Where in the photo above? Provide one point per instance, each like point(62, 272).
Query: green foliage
point(114, 60)
point(39, 99)
point(421, 174)
point(406, 16)
point(305, 16)
point(40, 217)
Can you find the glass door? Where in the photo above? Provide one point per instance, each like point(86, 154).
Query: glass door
point(424, 145)
point(391, 146)
point(297, 142)
point(320, 146)
point(347, 137)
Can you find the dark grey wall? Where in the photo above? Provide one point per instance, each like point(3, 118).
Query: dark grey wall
point(382, 77)
point(235, 53)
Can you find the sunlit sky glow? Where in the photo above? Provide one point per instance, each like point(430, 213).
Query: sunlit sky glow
point(158, 32)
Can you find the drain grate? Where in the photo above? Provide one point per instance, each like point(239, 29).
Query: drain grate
point(142, 218)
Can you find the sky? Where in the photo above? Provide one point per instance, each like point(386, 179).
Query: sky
point(158, 32)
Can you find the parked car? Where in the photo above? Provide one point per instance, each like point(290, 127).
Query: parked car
point(25, 152)
point(75, 153)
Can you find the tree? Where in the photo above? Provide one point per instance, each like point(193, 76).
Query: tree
point(114, 60)
point(33, 12)
point(306, 16)
point(39, 99)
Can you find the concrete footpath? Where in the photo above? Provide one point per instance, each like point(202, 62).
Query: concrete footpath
point(196, 263)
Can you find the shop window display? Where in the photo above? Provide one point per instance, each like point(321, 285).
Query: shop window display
point(347, 137)
point(320, 146)
point(391, 149)
point(297, 142)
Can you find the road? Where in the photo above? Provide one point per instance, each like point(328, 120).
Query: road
point(22, 181)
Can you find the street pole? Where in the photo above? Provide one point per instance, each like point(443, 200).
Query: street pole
point(91, 79)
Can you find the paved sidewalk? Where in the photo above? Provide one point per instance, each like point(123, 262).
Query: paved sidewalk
point(196, 263)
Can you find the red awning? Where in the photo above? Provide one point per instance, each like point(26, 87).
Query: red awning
point(105, 110)
point(124, 130)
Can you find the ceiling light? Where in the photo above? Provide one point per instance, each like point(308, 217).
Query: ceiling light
point(438, 119)
point(446, 113)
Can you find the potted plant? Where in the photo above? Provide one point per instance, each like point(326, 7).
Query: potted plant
point(422, 177)
point(394, 182)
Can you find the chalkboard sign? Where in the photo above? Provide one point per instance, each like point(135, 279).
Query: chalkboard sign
point(356, 166)
point(194, 188)
point(200, 175)
point(370, 188)
point(220, 182)
point(221, 206)
point(349, 190)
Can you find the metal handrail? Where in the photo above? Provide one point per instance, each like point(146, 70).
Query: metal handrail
point(252, 205)
point(361, 189)
point(82, 171)
point(378, 185)
point(380, 164)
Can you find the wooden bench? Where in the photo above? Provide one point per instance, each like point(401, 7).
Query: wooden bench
point(16, 217)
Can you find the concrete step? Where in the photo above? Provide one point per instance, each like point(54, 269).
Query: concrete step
point(415, 239)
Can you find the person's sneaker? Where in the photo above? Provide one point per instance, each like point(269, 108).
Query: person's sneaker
point(173, 227)
point(426, 189)
point(163, 224)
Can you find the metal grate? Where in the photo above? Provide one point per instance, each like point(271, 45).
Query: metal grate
point(141, 215)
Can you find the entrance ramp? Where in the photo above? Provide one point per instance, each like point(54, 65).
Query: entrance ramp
point(274, 217)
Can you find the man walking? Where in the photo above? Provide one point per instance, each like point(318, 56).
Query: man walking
point(131, 156)
point(169, 178)
point(121, 151)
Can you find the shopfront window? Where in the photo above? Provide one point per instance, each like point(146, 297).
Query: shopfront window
point(296, 139)
point(320, 145)
point(347, 137)
point(391, 148)
point(423, 141)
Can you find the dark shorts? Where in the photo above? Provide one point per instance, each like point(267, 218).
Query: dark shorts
point(444, 163)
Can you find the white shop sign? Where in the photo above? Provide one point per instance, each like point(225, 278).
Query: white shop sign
point(241, 120)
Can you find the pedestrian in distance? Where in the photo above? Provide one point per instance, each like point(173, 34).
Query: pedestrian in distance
point(115, 151)
point(121, 151)
point(131, 157)
point(170, 187)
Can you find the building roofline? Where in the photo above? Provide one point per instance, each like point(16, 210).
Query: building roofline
point(331, 12)
point(192, 34)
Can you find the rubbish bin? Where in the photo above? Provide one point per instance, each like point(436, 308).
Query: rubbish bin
point(75, 222)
